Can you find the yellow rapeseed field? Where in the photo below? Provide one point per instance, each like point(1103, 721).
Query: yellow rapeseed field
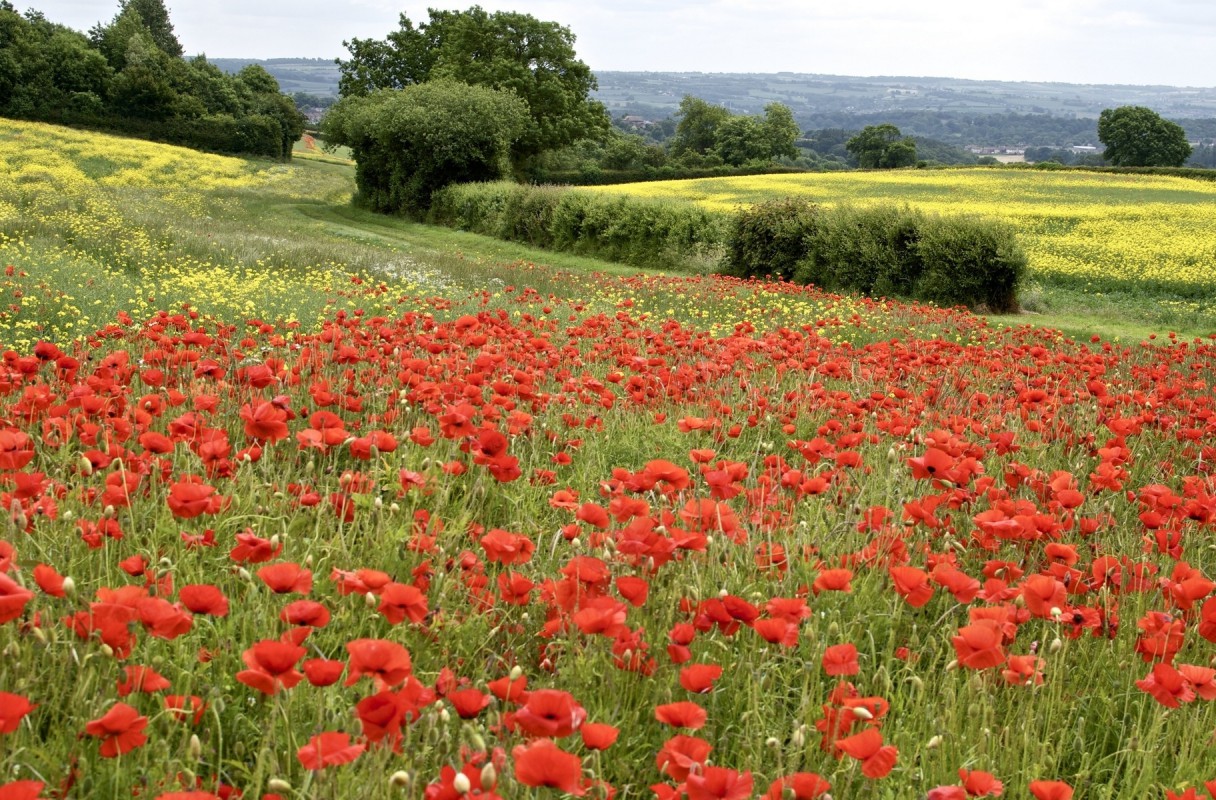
point(1087, 230)
point(91, 225)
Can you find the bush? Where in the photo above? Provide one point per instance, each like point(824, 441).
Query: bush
point(868, 250)
point(969, 261)
point(883, 251)
point(770, 238)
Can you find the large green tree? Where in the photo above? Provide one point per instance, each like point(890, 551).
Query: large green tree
point(410, 142)
point(1136, 136)
point(882, 147)
point(697, 130)
point(506, 51)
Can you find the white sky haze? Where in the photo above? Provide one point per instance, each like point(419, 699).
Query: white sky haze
point(1170, 42)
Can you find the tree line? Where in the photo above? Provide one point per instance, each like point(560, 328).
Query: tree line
point(129, 76)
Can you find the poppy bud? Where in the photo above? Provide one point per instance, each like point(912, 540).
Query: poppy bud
point(1055, 645)
point(934, 743)
point(952, 665)
point(106, 650)
point(489, 775)
point(68, 515)
point(772, 742)
point(86, 466)
point(393, 507)
point(445, 715)
point(798, 739)
point(399, 778)
point(39, 635)
point(108, 512)
point(861, 712)
point(370, 600)
point(243, 574)
point(516, 672)
point(195, 749)
point(278, 785)
point(274, 542)
point(69, 586)
point(461, 783)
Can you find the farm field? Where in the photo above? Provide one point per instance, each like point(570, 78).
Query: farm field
point(1088, 232)
point(297, 507)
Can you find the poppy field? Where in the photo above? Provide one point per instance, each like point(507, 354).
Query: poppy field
point(522, 533)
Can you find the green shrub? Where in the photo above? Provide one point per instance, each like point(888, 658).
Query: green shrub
point(969, 261)
point(770, 238)
point(656, 234)
point(868, 250)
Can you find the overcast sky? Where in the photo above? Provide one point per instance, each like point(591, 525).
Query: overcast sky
point(1169, 42)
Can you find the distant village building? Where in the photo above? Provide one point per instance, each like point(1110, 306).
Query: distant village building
point(636, 123)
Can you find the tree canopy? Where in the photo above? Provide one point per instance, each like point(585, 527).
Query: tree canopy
point(882, 147)
point(504, 50)
point(1136, 136)
point(127, 76)
point(708, 130)
point(410, 142)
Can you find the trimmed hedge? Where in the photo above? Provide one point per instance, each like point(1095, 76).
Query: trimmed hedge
point(654, 234)
point(257, 135)
point(884, 251)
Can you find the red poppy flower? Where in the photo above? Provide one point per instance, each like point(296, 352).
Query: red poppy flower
point(12, 599)
point(543, 763)
point(401, 601)
point(700, 678)
point(1051, 790)
point(551, 713)
point(141, 679)
point(510, 691)
point(777, 630)
point(803, 785)
point(912, 584)
point(272, 666)
point(680, 755)
point(719, 783)
point(21, 790)
point(13, 707)
point(323, 672)
point(329, 749)
point(980, 784)
point(49, 580)
point(1168, 686)
point(469, 703)
point(876, 759)
point(305, 612)
point(683, 714)
point(388, 663)
point(190, 497)
point(120, 730)
point(841, 659)
point(979, 645)
point(286, 578)
point(204, 598)
point(598, 735)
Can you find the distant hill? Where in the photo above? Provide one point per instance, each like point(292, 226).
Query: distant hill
point(950, 109)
